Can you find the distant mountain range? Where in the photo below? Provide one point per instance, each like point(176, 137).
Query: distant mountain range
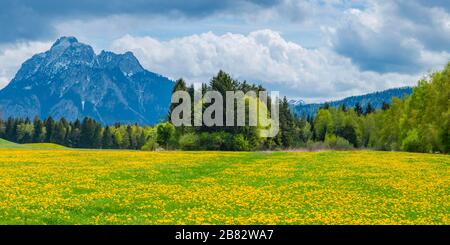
point(71, 81)
point(376, 99)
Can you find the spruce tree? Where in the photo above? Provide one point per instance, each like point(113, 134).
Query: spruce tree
point(358, 109)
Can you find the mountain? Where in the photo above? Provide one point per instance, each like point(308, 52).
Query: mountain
point(375, 99)
point(294, 102)
point(71, 81)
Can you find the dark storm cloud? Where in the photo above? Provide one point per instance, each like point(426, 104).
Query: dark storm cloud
point(32, 19)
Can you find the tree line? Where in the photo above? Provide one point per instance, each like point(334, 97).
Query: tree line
point(418, 123)
point(78, 134)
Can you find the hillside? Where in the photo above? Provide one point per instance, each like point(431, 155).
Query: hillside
point(376, 99)
point(4, 144)
point(8, 144)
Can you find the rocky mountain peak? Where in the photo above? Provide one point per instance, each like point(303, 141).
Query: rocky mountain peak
point(127, 62)
point(65, 41)
point(70, 80)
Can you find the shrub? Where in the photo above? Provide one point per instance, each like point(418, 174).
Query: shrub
point(337, 143)
point(412, 142)
point(188, 141)
point(315, 145)
point(241, 143)
point(150, 145)
point(211, 141)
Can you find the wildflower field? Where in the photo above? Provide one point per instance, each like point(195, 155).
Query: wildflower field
point(65, 186)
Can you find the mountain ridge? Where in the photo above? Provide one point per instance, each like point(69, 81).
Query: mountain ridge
point(376, 99)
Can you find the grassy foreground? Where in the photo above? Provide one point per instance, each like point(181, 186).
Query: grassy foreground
point(62, 186)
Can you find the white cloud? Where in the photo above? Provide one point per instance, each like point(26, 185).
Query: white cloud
point(393, 36)
point(261, 56)
point(12, 57)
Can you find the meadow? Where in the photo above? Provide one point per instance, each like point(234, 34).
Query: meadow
point(51, 185)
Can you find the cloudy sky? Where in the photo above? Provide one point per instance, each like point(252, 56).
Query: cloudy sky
point(312, 50)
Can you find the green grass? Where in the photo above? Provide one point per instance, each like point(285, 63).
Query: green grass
point(45, 146)
point(10, 145)
point(48, 186)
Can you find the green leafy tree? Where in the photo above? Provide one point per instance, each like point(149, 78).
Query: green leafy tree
point(25, 133)
point(166, 133)
point(412, 142)
point(118, 139)
point(323, 124)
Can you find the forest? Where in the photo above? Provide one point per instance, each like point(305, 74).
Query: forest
point(417, 123)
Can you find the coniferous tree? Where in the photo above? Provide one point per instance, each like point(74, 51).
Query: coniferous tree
point(369, 109)
point(10, 129)
point(287, 125)
point(2, 128)
point(98, 134)
point(358, 109)
point(39, 130)
point(131, 137)
point(180, 85)
point(73, 139)
point(325, 106)
point(142, 139)
point(385, 106)
point(59, 132)
point(108, 138)
point(87, 134)
point(49, 129)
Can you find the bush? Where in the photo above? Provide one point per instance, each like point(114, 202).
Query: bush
point(315, 145)
point(241, 143)
point(188, 141)
point(412, 142)
point(270, 144)
point(223, 141)
point(212, 141)
point(150, 145)
point(337, 143)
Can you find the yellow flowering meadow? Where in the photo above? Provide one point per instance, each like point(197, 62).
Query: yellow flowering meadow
point(64, 186)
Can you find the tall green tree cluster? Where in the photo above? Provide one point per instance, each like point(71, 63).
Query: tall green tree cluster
point(419, 123)
point(241, 138)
